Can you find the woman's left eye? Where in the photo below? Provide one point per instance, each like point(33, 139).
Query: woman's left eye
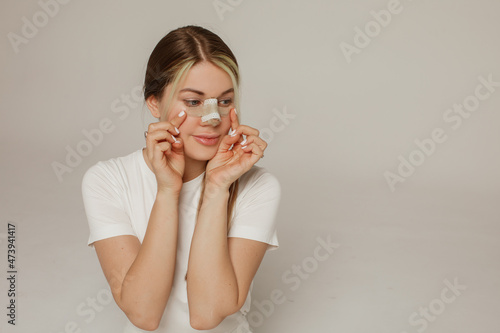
point(225, 102)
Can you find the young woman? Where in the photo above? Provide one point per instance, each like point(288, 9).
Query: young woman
point(181, 226)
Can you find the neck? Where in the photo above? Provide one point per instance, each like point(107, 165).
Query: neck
point(192, 168)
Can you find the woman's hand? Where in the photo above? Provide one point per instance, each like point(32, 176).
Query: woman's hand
point(229, 164)
point(166, 152)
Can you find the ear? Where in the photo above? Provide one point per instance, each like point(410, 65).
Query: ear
point(154, 106)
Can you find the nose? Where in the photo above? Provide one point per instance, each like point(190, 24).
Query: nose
point(211, 112)
point(211, 119)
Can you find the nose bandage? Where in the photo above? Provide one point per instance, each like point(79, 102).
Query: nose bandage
point(209, 111)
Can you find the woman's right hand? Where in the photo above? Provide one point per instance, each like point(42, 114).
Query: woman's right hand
point(165, 152)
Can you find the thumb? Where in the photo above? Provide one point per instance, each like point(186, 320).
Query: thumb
point(178, 146)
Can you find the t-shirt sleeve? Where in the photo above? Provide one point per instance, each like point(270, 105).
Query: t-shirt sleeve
point(256, 210)
point(104, 206)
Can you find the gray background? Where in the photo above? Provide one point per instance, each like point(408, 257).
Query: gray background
point(352, 122)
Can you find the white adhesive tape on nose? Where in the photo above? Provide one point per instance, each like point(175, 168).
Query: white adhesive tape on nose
point(214, 115)
point(210, 102)
point(210, 110)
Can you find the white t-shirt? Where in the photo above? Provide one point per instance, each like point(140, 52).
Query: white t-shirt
point(118, 196)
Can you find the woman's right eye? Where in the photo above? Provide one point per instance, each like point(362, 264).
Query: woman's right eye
point(192, 102)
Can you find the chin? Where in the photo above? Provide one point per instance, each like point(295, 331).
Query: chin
point(201, 154)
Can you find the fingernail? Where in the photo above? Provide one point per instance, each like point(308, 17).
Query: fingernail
point(177, 130)
point(233, 133)
point(244, 147)
point(243, 142)
point(173, 137)
point(182, 113)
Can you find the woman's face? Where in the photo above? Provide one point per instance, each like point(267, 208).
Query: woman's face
point(204, 80)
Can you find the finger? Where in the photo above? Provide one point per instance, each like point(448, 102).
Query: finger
point(178, 146)
point(178, 120)
point(227, 142)
point(234, 119)
point(175, 143)
point(244, 142)
point(255, 150)
point(246, 130)
point(165, 147)
point(234, 125)
point(171, 126)
point(162, 126)
point(159, 151)
point(157, 136)
point(254, 139)
point(240, 137)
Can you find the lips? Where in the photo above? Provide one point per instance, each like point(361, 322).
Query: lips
point(207, 139)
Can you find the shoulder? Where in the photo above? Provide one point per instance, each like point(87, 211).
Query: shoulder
point(259, 179)
point(109, 172)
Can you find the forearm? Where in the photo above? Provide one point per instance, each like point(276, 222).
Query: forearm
point(211, 282)
point(146, 287)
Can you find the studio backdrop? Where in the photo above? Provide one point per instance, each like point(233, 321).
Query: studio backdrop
point(382, 122)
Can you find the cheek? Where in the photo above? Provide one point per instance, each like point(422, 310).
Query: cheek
point(188, 126)
point(225, 123)
point(174, 112)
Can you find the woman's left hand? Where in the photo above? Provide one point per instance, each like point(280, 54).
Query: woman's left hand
point(229, 164)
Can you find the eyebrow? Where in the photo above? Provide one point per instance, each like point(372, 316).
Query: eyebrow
point(202, 93)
